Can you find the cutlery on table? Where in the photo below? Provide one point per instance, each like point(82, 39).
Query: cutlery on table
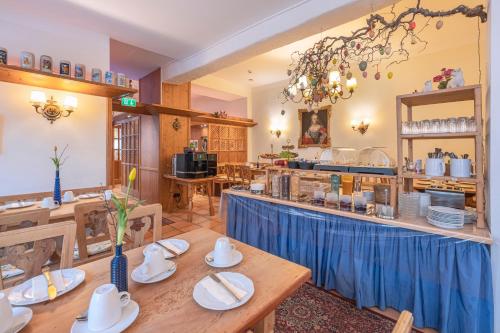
point(51, 288)
point(83, 316)
point(175, 254)
point(219, 281)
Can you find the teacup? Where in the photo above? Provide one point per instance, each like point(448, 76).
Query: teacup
point(47, 202)
point(106, 306)
point(69, 196)
point(223, 251)
point(7, 318)
point(108, 194)
point(154, 262)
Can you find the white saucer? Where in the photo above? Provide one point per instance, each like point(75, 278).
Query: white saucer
point(22, 294)
point(88, 196)
point(137, 276)
point(75, 199)
point(235, 260)
point(181, 244)
point(22, 316)
point(206, 300)
point(55, 206)
point(129, 314)
point(21, 204)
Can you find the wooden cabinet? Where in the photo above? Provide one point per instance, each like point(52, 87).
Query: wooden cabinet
point(228, 142)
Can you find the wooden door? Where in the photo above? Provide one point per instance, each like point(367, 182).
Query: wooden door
point(130, 148)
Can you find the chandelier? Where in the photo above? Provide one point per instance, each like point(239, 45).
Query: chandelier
point(324, 71)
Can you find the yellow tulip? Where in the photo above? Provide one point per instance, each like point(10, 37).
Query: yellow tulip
point(132, 175)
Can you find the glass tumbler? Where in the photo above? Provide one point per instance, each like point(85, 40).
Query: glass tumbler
point(452, 125)
point(462, 124)
point(471, 124)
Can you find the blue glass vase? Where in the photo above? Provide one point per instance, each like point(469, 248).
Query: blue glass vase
point(57, 189)
point(119, 269)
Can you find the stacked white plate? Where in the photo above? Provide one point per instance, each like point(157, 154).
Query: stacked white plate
point(446, 217)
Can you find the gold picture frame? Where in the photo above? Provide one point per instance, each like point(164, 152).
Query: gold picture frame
point(317, 138)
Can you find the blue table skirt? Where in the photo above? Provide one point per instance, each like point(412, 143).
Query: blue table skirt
point(445, 282)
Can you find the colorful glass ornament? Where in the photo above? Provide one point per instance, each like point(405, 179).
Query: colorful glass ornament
point(390, 75)
point(439, 24)
point(353, 43)
point(365, 74)
point(349, 75)
point(358, 46)
point(362, 65)
point(413, 25)
point(388, 50)
point(377, 76)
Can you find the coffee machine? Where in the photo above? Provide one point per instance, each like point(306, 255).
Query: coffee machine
point(190, 164)
point(212, 164)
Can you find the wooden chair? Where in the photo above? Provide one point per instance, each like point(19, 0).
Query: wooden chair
point(246, 174)
point(93, 217)
point(32, 259)
point(221, 179)
point(22, 219)
point(232, 171)
point(404, 323)
point(140, 221)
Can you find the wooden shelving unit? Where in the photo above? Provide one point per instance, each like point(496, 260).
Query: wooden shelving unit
point(468, 93)
point(151, 109)
point(36, 78)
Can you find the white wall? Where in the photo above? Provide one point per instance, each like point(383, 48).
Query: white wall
point(26, 138)
point(235, 108)
point(493, 143)
point(373, 99)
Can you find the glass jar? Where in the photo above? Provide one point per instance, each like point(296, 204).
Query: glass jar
point(471, 124)
point(415, 127)
point(462, 124)
point(443, 126)
point(294, 187)
point(332, 200)
point(452, 125)
point(275, 186)
point(346, 203)
point(405, 128)
point(359, 203)
point(285, 187)
point(435, 126)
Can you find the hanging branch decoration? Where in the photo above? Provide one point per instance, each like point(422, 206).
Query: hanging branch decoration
point(315, 75)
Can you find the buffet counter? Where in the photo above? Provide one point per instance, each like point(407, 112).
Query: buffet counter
point(442, 276)
point(469, 232)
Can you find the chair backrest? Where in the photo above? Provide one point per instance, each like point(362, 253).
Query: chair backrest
point(404, 323)
point(90, 216)
point(140, 221)
point(24, 218)
point(30, 259)
point(246, 173)
point(231, 172)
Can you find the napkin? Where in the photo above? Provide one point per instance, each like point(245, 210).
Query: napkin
point(171, 246)
point(39, 284)
point(219, 292)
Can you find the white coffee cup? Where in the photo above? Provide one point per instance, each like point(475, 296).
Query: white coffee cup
point(223, 251)
point(69, 196)
point(108, 194)
point(435, 167)
point(47, 202)
point(106, 306)
point(6, 316)
point(460, 167)
point(154, 262)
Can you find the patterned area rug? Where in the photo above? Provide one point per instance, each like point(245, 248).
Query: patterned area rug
point(312, 309)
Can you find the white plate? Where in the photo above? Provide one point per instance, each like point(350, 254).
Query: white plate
point(137, 276)
point(235, 260)
point(445, 225)
point(206, 300)
point(88, 196)
point(55, 206)
point(75, 199)
point(129, 315)
point(22, 316)
point(21, 204)
point(22, 294)
point(181, 244)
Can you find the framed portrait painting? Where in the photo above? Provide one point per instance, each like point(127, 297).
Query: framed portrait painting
point(315, 127)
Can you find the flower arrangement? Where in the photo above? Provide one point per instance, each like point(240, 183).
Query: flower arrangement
point(443, 78)
point(58, 158)
point(123, 209)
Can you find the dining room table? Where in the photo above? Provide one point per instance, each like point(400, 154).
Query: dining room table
point(169, 306)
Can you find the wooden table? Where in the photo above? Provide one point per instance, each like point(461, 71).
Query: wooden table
point(65, 212)
point(190, 183)
point(168, 306)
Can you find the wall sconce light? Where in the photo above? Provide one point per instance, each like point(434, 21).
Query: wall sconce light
point(360, 127)
point(49, 108)
point(276, 132)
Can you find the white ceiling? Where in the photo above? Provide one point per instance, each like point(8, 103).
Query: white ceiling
point(271, 67)
point(173, 28)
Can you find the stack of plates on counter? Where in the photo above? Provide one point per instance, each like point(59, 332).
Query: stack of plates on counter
point(446, 217)
point(470, 215)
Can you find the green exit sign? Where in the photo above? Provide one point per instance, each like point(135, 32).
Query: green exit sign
point(127, 101)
